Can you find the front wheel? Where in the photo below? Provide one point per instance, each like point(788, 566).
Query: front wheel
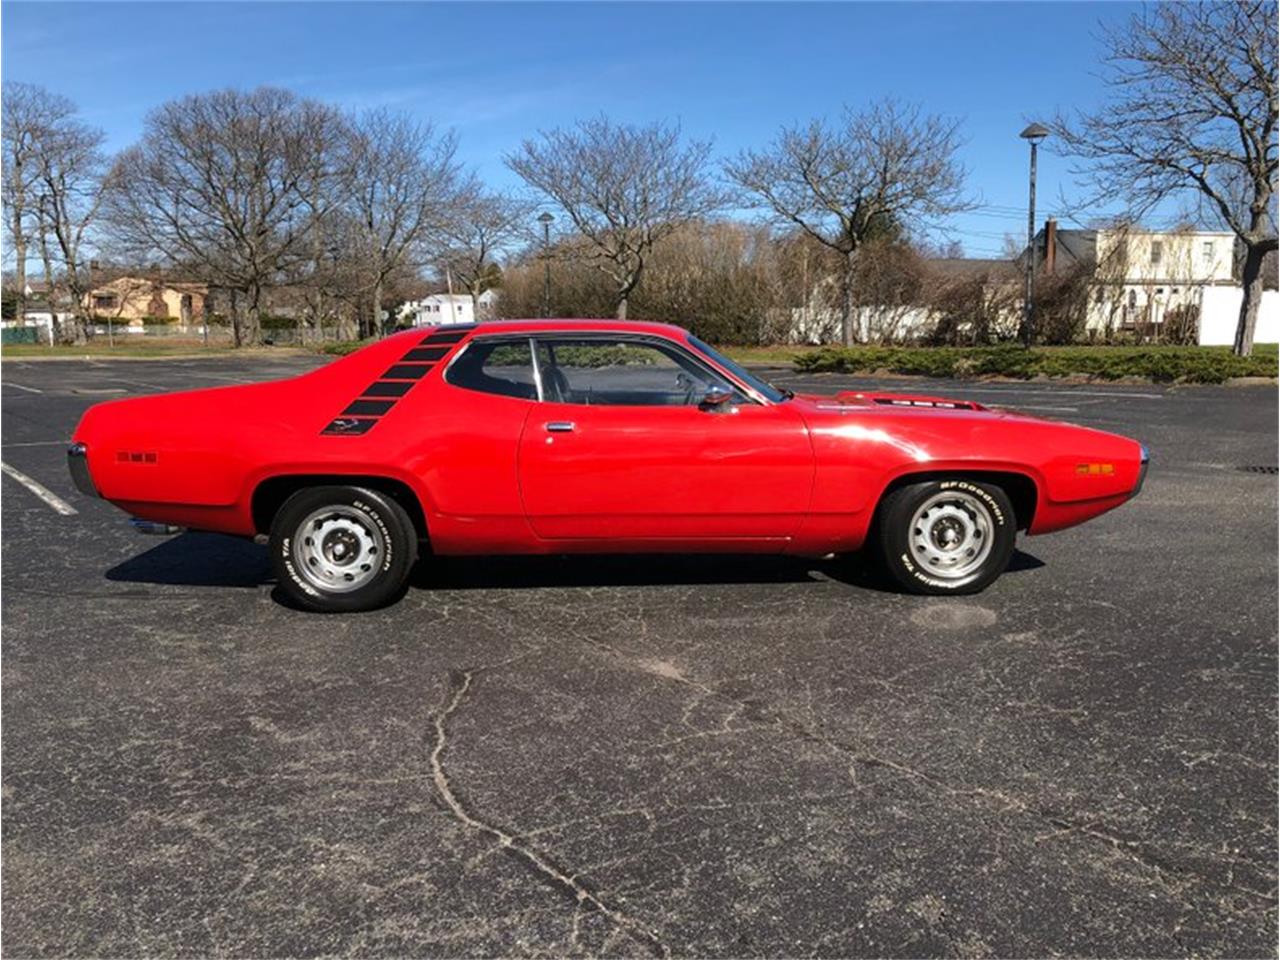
point(342, 549)
point(946, 536)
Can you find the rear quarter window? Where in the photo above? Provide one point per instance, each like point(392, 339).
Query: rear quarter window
point(504, 368)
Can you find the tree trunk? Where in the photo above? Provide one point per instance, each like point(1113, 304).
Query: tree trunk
point(20, 275)
point(621, 312)
point(237, 339)
point(253, 319)
point(64, 333)
point(1251, 278)
point(80, 307)
point(846, 306)
point(376, 322)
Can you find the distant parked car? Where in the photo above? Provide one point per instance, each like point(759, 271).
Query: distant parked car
point(549, 436)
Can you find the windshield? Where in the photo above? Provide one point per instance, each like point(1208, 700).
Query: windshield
point(763, 387)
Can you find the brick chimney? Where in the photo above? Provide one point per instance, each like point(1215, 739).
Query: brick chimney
point(1050, 245)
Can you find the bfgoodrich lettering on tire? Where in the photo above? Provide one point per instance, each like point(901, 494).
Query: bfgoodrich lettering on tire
point(946, 536)
point(342, 549)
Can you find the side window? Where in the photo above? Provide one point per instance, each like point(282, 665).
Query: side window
point(621, 372)
point(501, 367)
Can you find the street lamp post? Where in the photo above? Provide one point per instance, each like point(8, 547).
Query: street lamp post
point(1033, 135)
point(545, 219)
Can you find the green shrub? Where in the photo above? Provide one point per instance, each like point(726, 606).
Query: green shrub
point(1160, 364)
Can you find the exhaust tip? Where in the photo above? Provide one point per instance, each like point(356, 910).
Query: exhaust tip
point(152, 528)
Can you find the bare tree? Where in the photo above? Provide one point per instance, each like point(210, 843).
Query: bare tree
point(622, 187)
point(228, 182)
point(29, 112)
point(1193, 112)
point(485, 225)
point(405, 191)
point(872, 173)
point(70, 182)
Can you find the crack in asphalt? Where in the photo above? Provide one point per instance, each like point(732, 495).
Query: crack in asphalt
point(460, 683)
point(759, 715)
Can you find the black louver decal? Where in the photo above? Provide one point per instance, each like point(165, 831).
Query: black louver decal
point(374, 402)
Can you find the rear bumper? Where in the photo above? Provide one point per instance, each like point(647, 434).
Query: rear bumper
point(78, 465)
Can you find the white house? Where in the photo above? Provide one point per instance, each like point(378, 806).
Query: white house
point(1143, 280)
point(447, 308)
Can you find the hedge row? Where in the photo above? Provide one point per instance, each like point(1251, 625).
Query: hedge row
point(1160, 364)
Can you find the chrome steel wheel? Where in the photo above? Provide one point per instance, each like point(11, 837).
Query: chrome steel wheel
point(951, 535)
point(337, 549)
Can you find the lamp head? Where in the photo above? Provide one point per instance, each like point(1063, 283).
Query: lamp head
point(1035, 133)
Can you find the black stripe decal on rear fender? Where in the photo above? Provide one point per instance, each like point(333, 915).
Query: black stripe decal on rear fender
point(407, 371)
point(425, 354)
point(377, 399)
point(368, 408)
point(447, 336)
point(387, 388)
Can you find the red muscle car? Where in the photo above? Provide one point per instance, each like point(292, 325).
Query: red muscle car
point(550, 436)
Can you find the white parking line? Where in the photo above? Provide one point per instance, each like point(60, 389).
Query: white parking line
point(38, 443)
point(48, 496)
point(10, 383)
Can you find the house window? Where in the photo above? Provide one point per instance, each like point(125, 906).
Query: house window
point(104, 302)
point(1133, 298)
point(1157, 251)
point(1159, 291)
point(1207, 251)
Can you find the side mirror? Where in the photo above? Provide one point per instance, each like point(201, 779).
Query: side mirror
point(716, 396)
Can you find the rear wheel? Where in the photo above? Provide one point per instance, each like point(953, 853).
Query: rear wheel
point(342, 549)
point(946, 536)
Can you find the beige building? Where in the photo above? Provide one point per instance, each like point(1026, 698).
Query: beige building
point(134, 300)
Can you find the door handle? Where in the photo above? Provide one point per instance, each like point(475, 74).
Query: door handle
point(559, 426)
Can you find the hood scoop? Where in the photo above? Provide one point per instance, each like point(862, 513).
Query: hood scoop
point(904, 400)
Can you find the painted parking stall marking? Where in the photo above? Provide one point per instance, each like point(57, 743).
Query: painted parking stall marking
point(44, 493)
point(19, 386)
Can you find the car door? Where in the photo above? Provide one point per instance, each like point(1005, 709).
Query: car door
point(621, 448)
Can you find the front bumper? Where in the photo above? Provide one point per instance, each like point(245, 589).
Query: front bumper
point(1142, 471)
point(78, 465)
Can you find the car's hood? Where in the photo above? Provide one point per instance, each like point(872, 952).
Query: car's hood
point(874, 398)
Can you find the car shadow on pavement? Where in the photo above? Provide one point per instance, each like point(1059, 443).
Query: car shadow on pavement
point(625, 570)
point(198, 560)
point(213, 560)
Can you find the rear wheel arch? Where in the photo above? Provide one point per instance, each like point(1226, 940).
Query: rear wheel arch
point(271, 493)
point(1020, 488)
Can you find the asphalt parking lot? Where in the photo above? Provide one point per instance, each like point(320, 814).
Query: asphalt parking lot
point(706, 756)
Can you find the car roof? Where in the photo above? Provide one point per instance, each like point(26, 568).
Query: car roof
point(575, 326)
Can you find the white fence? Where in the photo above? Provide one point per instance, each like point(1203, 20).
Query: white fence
point(1220, 313)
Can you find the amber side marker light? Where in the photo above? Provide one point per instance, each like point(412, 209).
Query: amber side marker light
point(1095, 469)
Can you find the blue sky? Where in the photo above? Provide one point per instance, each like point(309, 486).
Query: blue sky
point(499, 72)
